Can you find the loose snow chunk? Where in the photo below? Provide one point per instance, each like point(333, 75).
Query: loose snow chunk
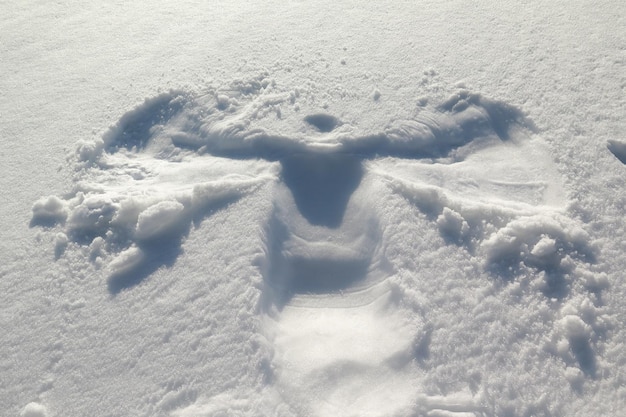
point(223, 101)
point(60, 244)
point(159, 220)
point(126, 262)
point(574, 328)
point(574, 376)
point(96, 247)
point(93, 215)
point(49, 210)
point(452, 224)
point(595, 280)
point(34, 410)
point(545, 247)
point(89, 151)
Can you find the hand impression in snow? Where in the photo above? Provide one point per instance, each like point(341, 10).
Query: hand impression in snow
point(470, 165)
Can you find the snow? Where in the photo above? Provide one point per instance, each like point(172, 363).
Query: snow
point(33, 410)
point(159, 220)
point(49, 210)
point(312, 208)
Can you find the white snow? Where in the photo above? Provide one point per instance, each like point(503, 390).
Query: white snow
point(313, 208)
point(49, 210)
point(34, 410)
point(158, 220)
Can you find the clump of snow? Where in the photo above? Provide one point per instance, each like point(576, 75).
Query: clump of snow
point(49, 210)
point(126, 262)
point(452, 224)
point(159, 220)
point(582, 324)
point(541, 240)
point(92, 215)
point(34, 410)
point(544, 248)
point(574, 343)
point(97, 249)
point(223, 101)
point(574, 328)
point(595, 281)
point(60, 244)
point(89, 151)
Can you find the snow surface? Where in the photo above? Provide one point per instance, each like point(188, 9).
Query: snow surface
point(313, 209)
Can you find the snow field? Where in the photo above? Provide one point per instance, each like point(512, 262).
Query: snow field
point(178, 341)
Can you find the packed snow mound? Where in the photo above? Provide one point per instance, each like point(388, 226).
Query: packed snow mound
point(470, 171)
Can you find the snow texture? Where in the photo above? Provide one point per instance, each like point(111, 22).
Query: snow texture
point(319, 209)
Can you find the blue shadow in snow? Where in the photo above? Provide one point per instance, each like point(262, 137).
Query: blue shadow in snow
point(322, 122)
point(618, 149)
point(322, 185)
